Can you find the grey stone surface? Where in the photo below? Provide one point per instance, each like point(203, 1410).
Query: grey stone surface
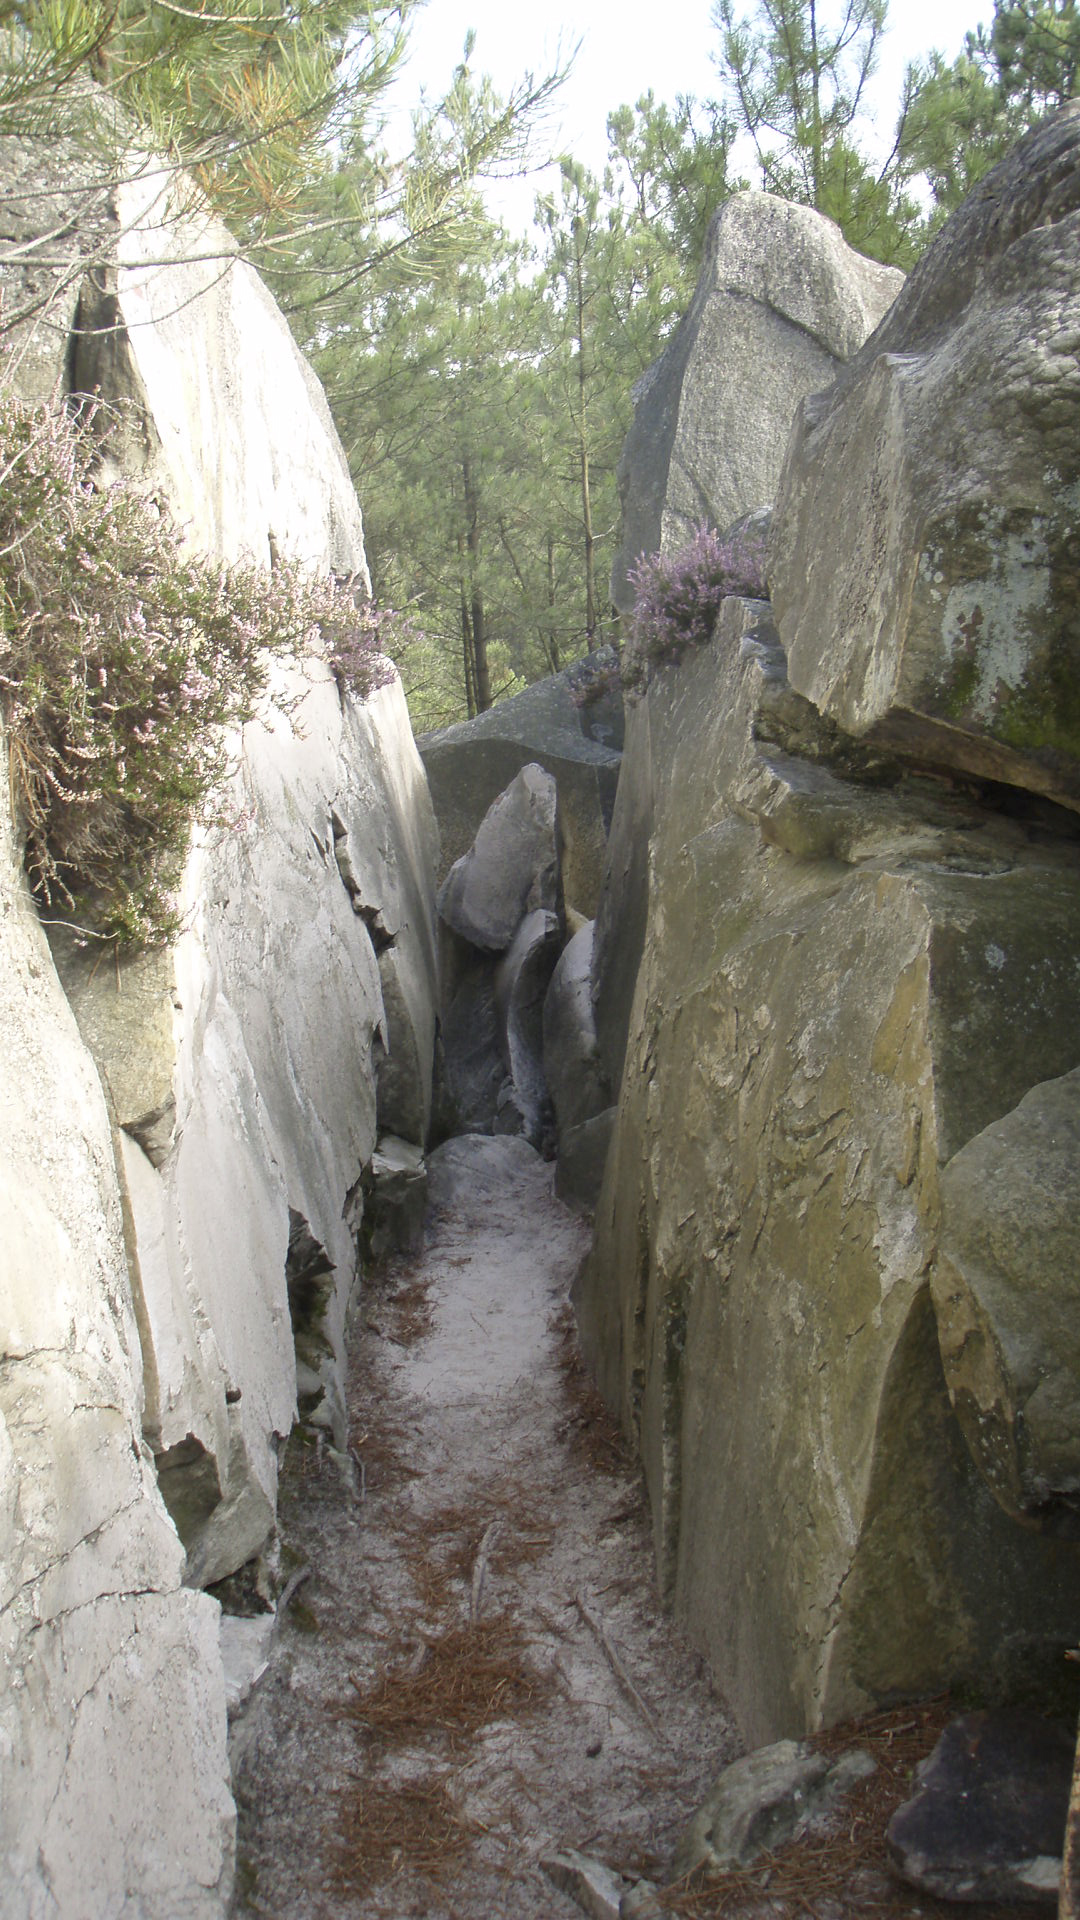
point(781, 303)
point(470, 764)
point(512, 867)
point(764, 1800)
point(987, 1821)
point(835, 996)
point(1006, 1288)
point(922, 560)
point(473, 1067)
point(596, 1889)
point(575, 1078)
point(114, 1789)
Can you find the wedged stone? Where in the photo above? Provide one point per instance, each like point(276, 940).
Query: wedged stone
point(987, 1821)
point(1006, 1288)
point(572, 1069)
point(781, 304)
point(521, 985)
point(475, 1163)
point(761, 1802)
point(583, 1151)
point(114, 1787)
point(472, 1064)
point(395, 1197)
point(470, 764)
point(245, 1642)
point(512, 867)
point(813, 1035)
point(922, 558)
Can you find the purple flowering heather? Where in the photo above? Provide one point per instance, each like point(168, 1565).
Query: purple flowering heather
point(678, 596)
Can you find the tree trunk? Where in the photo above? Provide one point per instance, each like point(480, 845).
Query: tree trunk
point(591, 619)
point(481, 668)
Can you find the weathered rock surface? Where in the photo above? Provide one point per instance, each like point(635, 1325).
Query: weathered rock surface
point(521, 985)
point(113, 1775)
point(764, 1800)
point(781, 304)
point(512, 867)
point(923, 559)
point(988, 1819)
point(471, 764)
point(277, 1026)
point(572, 1068)
point(841, 986)
point(1006, 1288)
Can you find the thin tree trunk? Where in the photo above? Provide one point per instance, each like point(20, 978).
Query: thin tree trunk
point(476, 598)
point(591, 636)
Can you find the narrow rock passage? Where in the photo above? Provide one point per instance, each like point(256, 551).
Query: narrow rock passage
point(475, 1673)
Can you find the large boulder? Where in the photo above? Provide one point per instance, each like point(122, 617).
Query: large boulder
point(843, 983)
point(1006, 1289)
point(470, 764)
point(923, 559)
point(782, 302)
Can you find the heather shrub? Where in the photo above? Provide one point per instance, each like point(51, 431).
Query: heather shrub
point(124, 665)
point(677, 598)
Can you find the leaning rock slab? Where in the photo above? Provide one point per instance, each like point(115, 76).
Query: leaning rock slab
point(988, 1820)
point(923, 560)
point(1007, 1293)
point(781, 304)
point(572, 1067)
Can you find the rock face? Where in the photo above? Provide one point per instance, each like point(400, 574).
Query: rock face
point(764, 1800)
point(469, 765)
point(843, 983)
point(113, 1771)
point(923, 557)
point(183, 1247)
point(781, 304)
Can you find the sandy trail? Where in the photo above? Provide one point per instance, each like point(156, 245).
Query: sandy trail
point(441, 1710)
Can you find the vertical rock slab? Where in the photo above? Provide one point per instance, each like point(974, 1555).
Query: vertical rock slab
point(781, 304)
point(923, 556)
point(111, 1668)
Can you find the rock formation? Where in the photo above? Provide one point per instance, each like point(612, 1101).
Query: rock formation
point(470, 764)
point(781, 304)
point(944, 623)
point(183, 1245)
point(843, 995)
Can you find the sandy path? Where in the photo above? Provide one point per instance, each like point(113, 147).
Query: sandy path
point(440, 1710)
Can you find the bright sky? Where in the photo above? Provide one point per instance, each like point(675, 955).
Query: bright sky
point(628, 47)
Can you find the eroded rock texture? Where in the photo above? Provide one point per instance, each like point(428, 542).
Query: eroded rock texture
point(781, 304)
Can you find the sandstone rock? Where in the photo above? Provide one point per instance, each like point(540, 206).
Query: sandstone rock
point(1006, 1289)
point(245, 1654)
point(572, 1068)
point(113, 1775)
point(512, 867)
point(583, 1152)
point(813, 1035)
point(922, 560)
point(987, 1821)
point(761, 1802)
point(781, 303)
point(472, 1064)
point(521, 986)
point(471, 764)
